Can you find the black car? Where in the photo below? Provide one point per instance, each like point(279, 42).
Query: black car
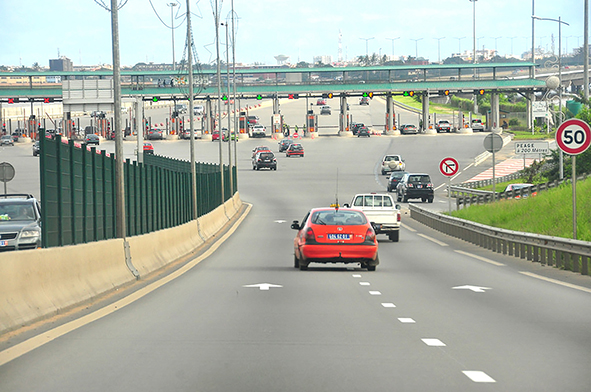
point(264, 159)
point(91, 138)
point(363, 131)
point(284, 144)
point(355, 127)
point(154, 134)
point(36, 148)
point(394, 179)
point(20, 220)
point(415, 186)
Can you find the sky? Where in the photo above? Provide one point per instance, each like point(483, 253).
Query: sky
point(34, 31)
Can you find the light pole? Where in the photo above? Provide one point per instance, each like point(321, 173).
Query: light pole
point(366, 45)
point(474, 29)
point(496, 38)
point(172, 5)
point(416, 46)
point(439, 48)
point(560, 23)
point(512, 38)
point(459, 44)
point(393, 39)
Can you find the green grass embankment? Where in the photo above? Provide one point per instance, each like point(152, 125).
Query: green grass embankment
point(548, 213)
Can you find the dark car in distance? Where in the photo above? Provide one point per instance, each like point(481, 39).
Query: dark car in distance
point(394, 179)
point(154, 134)
point(91, 138)
point(264, 159)
point(415, 186)
point(20, 222)
point(284, 144)
point(363, 131)
point(407, 129)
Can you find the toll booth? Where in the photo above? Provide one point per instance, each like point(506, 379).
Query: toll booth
point(311, 122)
point(242, 125)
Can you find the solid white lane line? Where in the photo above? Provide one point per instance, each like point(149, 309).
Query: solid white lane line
point(388, 305)
point(480, 258)
point(406, 320)
point(364, 283)
point(478, 376)
point(375, 293)
point(433, 240)
point(433, 342)
point(569, 285)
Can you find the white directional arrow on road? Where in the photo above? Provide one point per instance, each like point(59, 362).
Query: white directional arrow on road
point(476, 289)
point(263, 286)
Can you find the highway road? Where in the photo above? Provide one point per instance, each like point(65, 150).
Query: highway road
point(438, 314)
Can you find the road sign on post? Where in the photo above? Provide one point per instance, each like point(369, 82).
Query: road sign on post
point(449, 167)
point(6, 173)
point(493, 143)
point(573, 137)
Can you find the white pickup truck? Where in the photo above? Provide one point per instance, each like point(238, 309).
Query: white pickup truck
point(381, 212)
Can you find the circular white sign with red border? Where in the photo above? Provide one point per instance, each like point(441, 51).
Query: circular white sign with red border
point(449, 166)
point(573, 136)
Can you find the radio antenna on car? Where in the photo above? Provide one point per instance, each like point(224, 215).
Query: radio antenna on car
point(336, 195)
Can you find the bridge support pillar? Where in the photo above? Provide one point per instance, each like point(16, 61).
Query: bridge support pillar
point(390, 117)
point(427, 128)
point(210, 120)
point(529, 109)
point(139, 127)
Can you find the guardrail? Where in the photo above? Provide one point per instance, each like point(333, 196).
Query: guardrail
point(467, 196)
point(568, 254)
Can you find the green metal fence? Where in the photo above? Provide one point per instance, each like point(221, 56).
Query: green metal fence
point(78, 193)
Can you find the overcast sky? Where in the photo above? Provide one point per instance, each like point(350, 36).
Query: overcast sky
point(37, 30)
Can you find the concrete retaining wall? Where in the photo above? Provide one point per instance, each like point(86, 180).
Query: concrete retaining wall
point(43, 282)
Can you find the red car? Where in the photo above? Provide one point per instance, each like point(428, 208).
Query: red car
point(259, 149)
point(321, 101)
point(335, 235)
point(215, 135)
point(148, 148)
point(294, 149)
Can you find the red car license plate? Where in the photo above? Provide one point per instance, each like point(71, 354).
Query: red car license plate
point(339, 236)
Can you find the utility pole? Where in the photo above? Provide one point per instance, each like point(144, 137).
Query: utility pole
point(121, 230)
point(191, 114)
point(219, 114)
point(366, 45)
point(586, 52)
point(439, 48)
point(393, 39)
point(172, 5)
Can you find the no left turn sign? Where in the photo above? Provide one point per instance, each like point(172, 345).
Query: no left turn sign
point(449, 166)
point(573, 136)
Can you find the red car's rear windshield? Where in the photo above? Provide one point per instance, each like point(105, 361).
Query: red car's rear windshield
point(341, 217)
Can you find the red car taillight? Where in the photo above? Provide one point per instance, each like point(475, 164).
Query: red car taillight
point(398, 217)
point(429, 185)
point(370, 235)
point(309, 236)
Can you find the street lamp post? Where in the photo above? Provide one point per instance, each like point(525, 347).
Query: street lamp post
point(512, 38)
point(439, 48)
point(416, 46)
point(560, 23)
point(496, 38)
point(172, 5)
point(474, 29)
point(459, 44)
point(366, 45)
point(393, 39)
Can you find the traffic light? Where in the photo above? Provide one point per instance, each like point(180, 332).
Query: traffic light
point(330, 95)
point(47, 100)
point(259, 97)
point(444, 92)
point(408, 94)
point(479, 92)
point(225, 98)
point(367, 94)
point(13, 100)
point(293, 96)
point(155, 99)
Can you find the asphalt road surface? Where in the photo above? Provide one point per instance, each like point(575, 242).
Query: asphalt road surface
point(438, 314)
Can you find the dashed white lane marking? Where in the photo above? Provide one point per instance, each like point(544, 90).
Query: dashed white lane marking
point(356, 276)
point(478, 376)
point(408, 228)
point(364, 283)
point(406, 320)
point(569, 285)
point(433, 240)
point(375, 293)
point(433, 342)
point(388, 305)
point(480, 258)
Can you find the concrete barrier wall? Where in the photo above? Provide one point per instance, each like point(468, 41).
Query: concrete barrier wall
point(43, 282)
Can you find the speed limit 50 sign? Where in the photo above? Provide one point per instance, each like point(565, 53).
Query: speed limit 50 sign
point(573, 136)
